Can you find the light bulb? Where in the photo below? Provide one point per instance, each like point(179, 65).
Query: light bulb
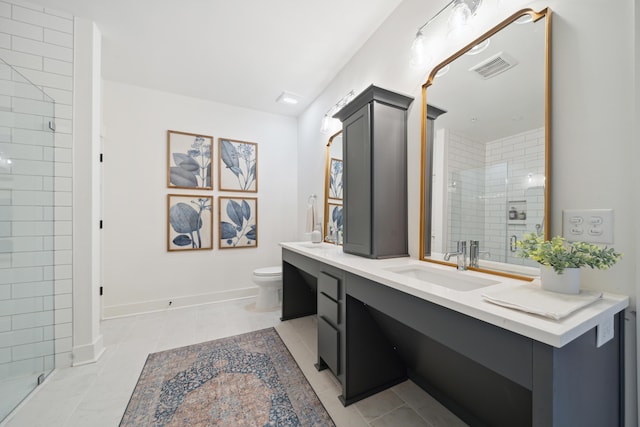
point(418, 51)
point(324, 126)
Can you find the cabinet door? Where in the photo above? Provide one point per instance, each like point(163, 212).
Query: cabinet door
point(356, 177)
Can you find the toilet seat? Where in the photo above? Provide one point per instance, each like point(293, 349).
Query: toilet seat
point(268, 271)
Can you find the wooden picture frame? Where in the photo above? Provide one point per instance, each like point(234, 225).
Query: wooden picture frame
point(189, 222)
point(237, 165)
point(189, 160)
point(237, 222)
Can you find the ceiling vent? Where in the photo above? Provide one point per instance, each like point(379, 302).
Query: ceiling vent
point(494, 65)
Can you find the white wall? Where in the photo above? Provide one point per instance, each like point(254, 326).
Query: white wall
point(138, 272)
point(592, 121)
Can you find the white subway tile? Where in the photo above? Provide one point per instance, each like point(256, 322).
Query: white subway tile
point(22, 121)
point(30, 351)
point(64, 198)
point(47, 302)
point(33, 137)
point(5, 9)
point(5, 228)
point(21, 368)
point(63, 228)
point(63, 301)
point(39, 48)
point(20, 244)
point(43, 19)
point(22, 60)
point(47, 213)
point(33, 167)
point(47, 154)
point(5, 41)
point(48, 333)
point(58, 67)
point(64, 315)
point(31, 106)
point(20, 275)
point(49, 80)
point(61, 96)
point(25, 336)
point(64, 330)
point(59, 13)
point(47, 272)
point(5, 260)
point(5, 356)
point(21, 213)
point(5, 292)
point(64, 257)
point(47, 243)
point(47, 183)
point(58, 38)
point(21, 29)
point(5, 103)
point(5, 134)
point(20, 151)
point(63, 242)
point(63, 344)
point(28, 4)
point(63, 272)
point(64, 360)
point(32, 320)
point(32, 198)
point(5, 323)
point(64, 111)
point(33, 289)
point(21, 306)
point(64, 126)
point(64, 286)
point(33, 228)
point(63, 169)
point(32, 259)
point(63, 213)
point(64, 155)
point(64, 140)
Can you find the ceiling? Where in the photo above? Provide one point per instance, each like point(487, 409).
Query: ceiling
point(241, 52)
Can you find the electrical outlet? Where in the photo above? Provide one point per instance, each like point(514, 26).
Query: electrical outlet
point(588, 225)
point(604, 332)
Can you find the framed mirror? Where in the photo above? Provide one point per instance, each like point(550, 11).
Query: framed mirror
point(486, 146)
point(333, 189)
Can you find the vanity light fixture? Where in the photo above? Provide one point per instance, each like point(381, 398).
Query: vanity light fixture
point(461, 12)
point(288, 98)
point(327, 119)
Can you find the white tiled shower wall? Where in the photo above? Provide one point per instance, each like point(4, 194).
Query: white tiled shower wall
point(38, 42)
point(482, 179)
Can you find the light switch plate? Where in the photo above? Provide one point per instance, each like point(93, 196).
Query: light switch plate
point(588, 225)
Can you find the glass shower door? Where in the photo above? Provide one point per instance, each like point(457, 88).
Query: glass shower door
point(27, 332)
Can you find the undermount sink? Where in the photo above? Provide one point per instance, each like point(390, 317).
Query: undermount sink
point(455, 280)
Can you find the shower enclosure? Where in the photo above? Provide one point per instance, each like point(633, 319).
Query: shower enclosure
point(27, 174)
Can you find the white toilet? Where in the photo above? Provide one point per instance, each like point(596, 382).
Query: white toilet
point(269, 282)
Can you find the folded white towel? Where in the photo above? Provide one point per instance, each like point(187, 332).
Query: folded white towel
point(533, 299)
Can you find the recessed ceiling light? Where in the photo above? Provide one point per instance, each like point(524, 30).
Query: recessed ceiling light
point(288, 98)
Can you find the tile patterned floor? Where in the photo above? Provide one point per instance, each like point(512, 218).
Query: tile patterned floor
point(97, 394)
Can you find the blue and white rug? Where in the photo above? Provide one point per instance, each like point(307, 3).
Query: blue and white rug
point(244, 380)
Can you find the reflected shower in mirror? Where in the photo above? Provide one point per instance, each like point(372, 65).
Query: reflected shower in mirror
point(333, 189)
point(485, 169)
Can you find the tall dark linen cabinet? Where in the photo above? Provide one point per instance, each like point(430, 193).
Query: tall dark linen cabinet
point(375, 173)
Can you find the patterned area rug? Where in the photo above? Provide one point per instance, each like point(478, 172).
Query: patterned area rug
point(244, 380)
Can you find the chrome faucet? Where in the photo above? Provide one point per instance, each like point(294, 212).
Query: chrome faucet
point(474, 253)
point(461, 254)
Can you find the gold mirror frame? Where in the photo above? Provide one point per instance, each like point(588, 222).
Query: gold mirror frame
point(545, 13)
point(327, 183)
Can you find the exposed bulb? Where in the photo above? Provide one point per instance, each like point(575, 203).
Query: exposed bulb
point(418, 51)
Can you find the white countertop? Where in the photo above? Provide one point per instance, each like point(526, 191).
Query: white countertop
point(471, 303)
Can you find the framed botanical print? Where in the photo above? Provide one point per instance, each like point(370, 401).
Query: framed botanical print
point(237, 165)
point(335, 179)
point(189, 160)
point(334, 223)
point(238, 222)
point(189, 222)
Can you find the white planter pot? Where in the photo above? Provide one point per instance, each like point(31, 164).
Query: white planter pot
point(567, 283)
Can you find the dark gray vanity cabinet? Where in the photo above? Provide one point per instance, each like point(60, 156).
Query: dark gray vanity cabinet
point(329, 321)
point(375, 174)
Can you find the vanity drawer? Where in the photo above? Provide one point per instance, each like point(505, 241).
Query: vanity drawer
point(329, 345)
point(329, 309)
point(329, 286)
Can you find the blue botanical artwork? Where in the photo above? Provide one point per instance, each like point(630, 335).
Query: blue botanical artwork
point(238, 166)
point(238, 222)
point(189, 160)
point(334, 222)
point(335, 179)
point(190, 222)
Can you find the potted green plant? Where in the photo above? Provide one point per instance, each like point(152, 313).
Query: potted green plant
point(561, 260)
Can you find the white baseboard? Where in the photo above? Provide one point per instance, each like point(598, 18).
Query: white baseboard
point(89, 353)
point(122, 310)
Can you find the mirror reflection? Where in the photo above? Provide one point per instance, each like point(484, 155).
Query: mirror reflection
point(488, 148)
point(333, 190)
